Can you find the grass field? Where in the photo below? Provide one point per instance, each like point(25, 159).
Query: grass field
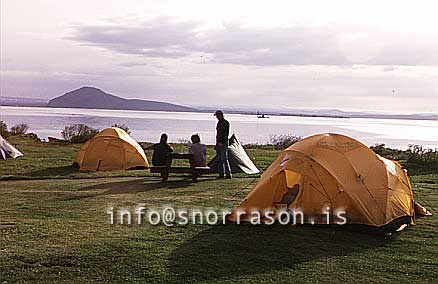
point(55, 229)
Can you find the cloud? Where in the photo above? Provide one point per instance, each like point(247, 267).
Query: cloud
point(161, 37)
point(166, 37)
point(273, 46)
point(132, 64)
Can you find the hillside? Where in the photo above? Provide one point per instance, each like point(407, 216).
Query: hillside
point(93, 98)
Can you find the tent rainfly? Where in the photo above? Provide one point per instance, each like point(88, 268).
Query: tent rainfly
point(238, 158)
point(7, 150)
point(111, 149)
point(336, 172)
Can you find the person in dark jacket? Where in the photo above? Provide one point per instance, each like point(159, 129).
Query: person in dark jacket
point(222, 133)
point(162, 150)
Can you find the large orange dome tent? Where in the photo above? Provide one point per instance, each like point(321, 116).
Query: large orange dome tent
point(111, 149)
point(335, 171)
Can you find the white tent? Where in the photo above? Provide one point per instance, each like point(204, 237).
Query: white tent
point(238, 158)
point(7, 150)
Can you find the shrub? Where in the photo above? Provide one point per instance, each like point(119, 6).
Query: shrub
point(32, 136)
point(4, 129)
point(283, 141)
point(78, 133)
point(19, 129)
point(122, 126)
point(183, 140)
point(389, 153)
point(417, 154)
point(417, 159)
point(259, 146)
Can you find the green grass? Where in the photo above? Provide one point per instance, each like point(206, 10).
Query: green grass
point(55, 229)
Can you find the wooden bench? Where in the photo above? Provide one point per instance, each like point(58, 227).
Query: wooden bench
point(194, 172)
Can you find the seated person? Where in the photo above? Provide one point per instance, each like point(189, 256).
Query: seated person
point(162, 150)
point(198, 151)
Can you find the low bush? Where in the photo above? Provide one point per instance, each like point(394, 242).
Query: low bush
point(32, 136)
point(183, 140)
point(19, 129)
point(259, 146)
point(122, 126)
point(283, 141)
point(389, 153)
point(416, 158)
point(422, 159)
point(78, 133)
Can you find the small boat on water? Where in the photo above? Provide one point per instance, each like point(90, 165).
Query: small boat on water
point(261, 115)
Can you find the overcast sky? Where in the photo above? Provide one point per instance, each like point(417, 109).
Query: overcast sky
point(350, 55)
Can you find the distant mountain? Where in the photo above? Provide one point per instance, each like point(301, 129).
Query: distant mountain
point(93, 98)
point(333, 113)
point(348, 114)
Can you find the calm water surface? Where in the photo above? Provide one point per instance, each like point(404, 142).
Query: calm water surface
point(148, 125)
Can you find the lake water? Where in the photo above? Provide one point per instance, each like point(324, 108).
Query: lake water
point(148, 125)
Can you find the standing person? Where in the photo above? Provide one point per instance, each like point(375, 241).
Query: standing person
point(222, 133)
